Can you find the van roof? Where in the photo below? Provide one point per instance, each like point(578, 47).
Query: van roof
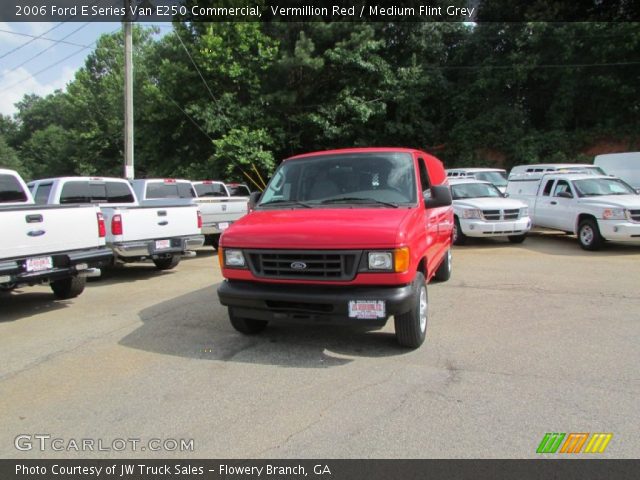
point(358, 150)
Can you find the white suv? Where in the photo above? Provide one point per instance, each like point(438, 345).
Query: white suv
point(481, 210)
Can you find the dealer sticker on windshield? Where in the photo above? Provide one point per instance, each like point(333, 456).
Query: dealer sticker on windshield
point(367, 309)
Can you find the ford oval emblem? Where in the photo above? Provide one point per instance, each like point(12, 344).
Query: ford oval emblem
point(298, 265)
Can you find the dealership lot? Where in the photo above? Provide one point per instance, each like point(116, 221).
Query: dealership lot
point(523, 340)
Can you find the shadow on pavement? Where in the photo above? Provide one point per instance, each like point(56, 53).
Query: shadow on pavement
point(24, 302)
point(196, 326)
point(552, 243)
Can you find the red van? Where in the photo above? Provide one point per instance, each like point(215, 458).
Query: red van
point(341, 236)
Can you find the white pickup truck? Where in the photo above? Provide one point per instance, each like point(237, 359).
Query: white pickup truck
point(481, 210)
point(160, 232)
point(594, 207)
point(47, 244)
point(219, 209)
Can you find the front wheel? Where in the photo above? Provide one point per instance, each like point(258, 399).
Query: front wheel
point(167, 263)
point(411, 327)
point(589, 235)
point(68, 287)
point(459, 238)
point(517, 238)
point(444, 270)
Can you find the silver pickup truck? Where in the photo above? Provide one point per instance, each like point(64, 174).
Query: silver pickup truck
point(158, 231)
point(58, 245)
point(219, 209)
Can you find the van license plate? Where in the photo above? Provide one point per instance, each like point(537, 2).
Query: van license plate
point(223, 226)
point(39, 264)
point(367, 309)
point(163, 244)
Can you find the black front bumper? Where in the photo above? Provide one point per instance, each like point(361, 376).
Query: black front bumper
point(64, 266)
point(311, 303)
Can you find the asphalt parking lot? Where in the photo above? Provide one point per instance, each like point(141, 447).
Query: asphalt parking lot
point(523, 340)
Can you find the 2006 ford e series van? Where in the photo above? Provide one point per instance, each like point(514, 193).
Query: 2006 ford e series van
point(341, 236)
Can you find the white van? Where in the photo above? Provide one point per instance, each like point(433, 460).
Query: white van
point(622, 165)
point(496, 176)
point(554, 167)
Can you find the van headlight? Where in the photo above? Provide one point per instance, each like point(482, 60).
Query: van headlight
point(614, 214)
point(234, 258)
point(380, 261)
point(396, 260)
point(471, 213)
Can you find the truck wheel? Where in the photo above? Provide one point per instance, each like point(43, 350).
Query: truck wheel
point(517, 238)
point(589, 235)
point(411, 327)
point(246, 325)
point(7, 287)
point(459, 238)
point(444, 270)
point(167, 263)
point(68, 287)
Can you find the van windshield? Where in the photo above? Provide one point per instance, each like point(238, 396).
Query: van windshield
point(594, 187)
point(367, 179)
point(497, 178)
point(474, 190)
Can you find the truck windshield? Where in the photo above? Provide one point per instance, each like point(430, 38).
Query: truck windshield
point(210, 190)
point(10, 190)
point(497, 178)
point(382, 179)
point(474, 190)
point(594, 187)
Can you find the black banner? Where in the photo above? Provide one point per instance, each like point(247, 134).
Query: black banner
point(318, 469)
point(316, 10)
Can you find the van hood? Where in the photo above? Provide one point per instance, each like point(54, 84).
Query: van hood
point(321, 228)
point(617, 201)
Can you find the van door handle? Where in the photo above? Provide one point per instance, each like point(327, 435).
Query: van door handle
point(554, 203)
point(163, 223)
point(33, 218)
point(36, 233)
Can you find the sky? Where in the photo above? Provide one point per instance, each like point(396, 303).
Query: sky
point(41, 65)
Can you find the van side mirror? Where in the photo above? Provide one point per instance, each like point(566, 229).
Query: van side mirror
point(440, 197)
point(254, 198)
point(565, 195)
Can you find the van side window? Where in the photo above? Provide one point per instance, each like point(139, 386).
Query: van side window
point(42, 193)
point(424, 179)
point(547, 188)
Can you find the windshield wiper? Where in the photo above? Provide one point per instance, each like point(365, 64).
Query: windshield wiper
point(358, 200)
point(285, 202)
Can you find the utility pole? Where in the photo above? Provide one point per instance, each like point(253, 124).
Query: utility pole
point(128, 92)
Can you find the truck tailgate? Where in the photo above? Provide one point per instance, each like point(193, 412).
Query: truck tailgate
point(43, 229)
point(216, 210)
point(153, 222)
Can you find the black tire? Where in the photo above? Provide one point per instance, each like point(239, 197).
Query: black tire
point(7, 287)
point(246, 325)
point(444, 270)
point(68, 287)
point(459, 238)
point(167, 263)
point(517, 238)
point(589, 235)
point(411, 327)
point(215, 241)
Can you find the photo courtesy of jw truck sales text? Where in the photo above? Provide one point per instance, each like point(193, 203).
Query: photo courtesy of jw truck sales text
point(343, 240)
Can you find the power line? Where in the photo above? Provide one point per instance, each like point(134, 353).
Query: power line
point(33, 75)
point(40, 37)
point(30, 41)
point(46, 50)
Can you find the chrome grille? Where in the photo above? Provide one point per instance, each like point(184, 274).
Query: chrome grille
point(496, 215)
point(304, 264)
